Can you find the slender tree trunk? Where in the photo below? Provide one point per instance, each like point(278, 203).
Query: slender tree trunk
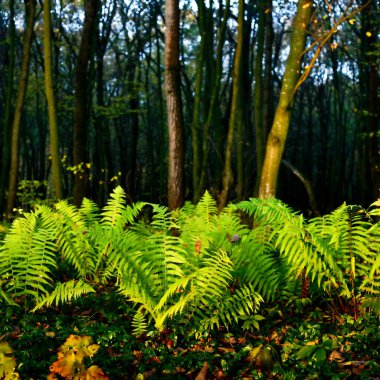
point(54, 140)
point(174, 106)
point(6, 145)
point(243, 119)
point(227, 179)
point(258, 97)
point(196, 124)
point(82, 101)
point(373, 99)
point(214, 102)
point(268, 79)
point(161, 114)
point(278, 134)
point(30, 12)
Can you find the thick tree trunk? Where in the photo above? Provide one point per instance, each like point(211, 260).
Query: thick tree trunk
point(82, 100)
point(278, 134)
point(174, 106)
point(30, 11)
point(227, 179)
point(54, 140)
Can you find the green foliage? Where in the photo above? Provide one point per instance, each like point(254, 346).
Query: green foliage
point(338, 252)
point(194, 265)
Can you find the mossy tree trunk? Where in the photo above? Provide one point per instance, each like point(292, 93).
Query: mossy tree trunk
point(54, 139)
point(174, 106)
point(30, 12)
point(278, 134)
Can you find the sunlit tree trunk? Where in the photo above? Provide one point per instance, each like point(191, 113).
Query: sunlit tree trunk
point(174, 106)
point(30, 12)
point(278, 134)
point(82, 106)
point(54, 140)
point(8, 105)
point(227, 179)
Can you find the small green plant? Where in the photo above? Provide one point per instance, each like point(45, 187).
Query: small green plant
point(71, 360)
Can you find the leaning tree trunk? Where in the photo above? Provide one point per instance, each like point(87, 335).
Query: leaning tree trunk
point(54, 140)
point(174, 106)
point(81, 111)
point(278, 134)
point(30, 11)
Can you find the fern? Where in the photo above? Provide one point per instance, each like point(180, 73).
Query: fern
point(139, 324)
point(231, 308)
point(64, 292)
point(27, 258)
point(112, 212)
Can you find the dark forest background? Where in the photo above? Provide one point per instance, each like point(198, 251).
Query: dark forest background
point(107, 79)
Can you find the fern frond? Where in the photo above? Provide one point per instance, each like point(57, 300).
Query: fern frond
point(257, 262)
point(90, 211)
point(112, 212)
point(65, 292)
point(139, 324)
point(270, 211)
point(231, 308)
point(27, 257)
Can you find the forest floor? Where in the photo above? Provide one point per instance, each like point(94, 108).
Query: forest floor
point(295, 341)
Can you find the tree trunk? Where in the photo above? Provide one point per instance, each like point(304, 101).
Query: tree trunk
point(30, 12)
point(82, 100)
point(196, 124)
point(174, 106)
point(6, 142)
point(278, 134)
point(227, 179)
point(54, 140)
point(258, 97)
point(214, 102)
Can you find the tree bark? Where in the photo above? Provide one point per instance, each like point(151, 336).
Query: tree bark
point(278, 134)
point(6, 145)
point(174, 106)
point(54, 139)
point(30, 12)
point(258, 96)
point(214, 103)
point(227, 179)
point(82, 100)
point(196, 124)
